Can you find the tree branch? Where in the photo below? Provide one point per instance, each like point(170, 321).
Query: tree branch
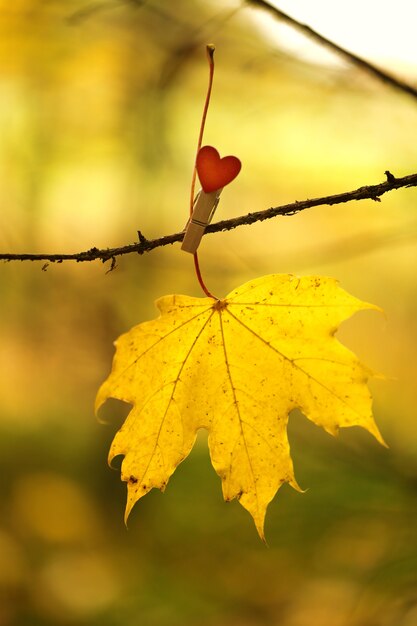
point(372, 192)
point(378, 73)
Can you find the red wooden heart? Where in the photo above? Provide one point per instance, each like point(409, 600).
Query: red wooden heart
point(214, 172)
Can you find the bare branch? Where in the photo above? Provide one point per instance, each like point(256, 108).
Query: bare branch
point(372, 192)
point(378, 73)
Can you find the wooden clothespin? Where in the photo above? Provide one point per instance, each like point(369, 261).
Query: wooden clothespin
point(205, 205)
point(214, 173)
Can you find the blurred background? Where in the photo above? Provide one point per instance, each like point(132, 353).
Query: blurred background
point(100, 105)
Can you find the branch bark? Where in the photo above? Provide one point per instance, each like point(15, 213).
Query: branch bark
point(372, 192)
point(377, 72)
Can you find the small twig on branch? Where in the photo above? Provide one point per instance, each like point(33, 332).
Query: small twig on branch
point(378, 73)
point(372, 192)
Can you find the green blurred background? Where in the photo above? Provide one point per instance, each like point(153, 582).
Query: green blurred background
point(100, 105)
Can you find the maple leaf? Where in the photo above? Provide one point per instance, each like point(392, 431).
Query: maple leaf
point(236, 367)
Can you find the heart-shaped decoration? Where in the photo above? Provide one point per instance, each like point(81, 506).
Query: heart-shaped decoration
point(214, 172)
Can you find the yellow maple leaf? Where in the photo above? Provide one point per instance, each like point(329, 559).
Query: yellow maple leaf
point(236, 367)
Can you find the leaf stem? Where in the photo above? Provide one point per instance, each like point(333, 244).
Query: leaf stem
point(200, 278)
point(210, 57)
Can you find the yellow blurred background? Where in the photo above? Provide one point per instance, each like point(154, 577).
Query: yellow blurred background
point(100, 105)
